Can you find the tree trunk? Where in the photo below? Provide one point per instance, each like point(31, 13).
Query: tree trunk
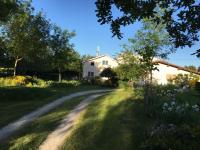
point(15, 66)
point(59, 75)
point(151, 77)
point(148, 94)
point(146, 97)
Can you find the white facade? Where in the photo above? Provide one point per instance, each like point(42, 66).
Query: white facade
point(166, 72)
point(93, 67)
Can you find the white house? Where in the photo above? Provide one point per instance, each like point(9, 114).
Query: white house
point(93, 67)
point(168, 71)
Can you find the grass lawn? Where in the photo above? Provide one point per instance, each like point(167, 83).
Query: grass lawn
point(115, 121)
point(107, 124)
point(18, 101)
point(32, 135)
point(118, 122)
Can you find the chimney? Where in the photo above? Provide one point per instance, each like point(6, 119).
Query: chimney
point(98, 51)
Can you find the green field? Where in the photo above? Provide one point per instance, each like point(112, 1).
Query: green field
point(18, 101)
point(117, 121)
point(32, 135)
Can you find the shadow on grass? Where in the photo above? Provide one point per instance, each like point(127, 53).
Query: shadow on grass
point(18, 101)
point(118, 126)
point(35, 133)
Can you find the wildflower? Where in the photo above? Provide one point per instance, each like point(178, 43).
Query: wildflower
point(173, 103)
point(178, 108)
point(170, 109)
point(165, 104)
point(195, 108)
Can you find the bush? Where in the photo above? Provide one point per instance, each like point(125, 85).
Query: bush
point(14, 81)
point(182, 80)
point(170, 136)
point(123, 84)
point(177, 120)
point(65, 83)
point(23, 81)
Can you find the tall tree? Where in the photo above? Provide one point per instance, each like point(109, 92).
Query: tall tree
point(182, 18)
point(129, 66)
point(150, 42)
point(26, 35)
point(62, 50)
point(3, 53)
point(86, 57)
point(8, 7)
point(16, 37)
point(76, 63)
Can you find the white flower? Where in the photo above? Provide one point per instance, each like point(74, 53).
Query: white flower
point(173, 103)
point(165, 104)
point(195, 108)
point(178, 108)
point(170, 109)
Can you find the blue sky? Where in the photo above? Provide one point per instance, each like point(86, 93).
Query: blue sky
point(80, 16)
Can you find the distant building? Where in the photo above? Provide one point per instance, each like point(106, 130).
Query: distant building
point(168, 71)
point(94, 66)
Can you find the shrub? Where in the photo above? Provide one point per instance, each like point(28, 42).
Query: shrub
point(65, 83)
point(123, 84)
point(170, 136)
point(23, 81)
point(182, 80)
point(177, 120)
point(13, 81)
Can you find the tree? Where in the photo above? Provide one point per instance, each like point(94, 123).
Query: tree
point(129, 66)
point(86, 57)
point(191, 67)
point(108, 72)
point(111, 75)
point(182, 18)
point(4, 55)
point(75, 63)
point(199, 68)
point(63, 53)
point(8, 7)
point(16, 37)
point(152, 41)
point(26, 35)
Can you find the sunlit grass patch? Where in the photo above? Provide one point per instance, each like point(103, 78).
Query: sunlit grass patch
point(18, 101)
point(32, 135)
point(103, 125)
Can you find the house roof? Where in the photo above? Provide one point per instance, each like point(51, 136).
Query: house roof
point(97, 57)
point(176, 66)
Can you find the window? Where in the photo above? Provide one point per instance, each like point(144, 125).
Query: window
point(92, 74)
point(105, 62)
point(92, 63)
